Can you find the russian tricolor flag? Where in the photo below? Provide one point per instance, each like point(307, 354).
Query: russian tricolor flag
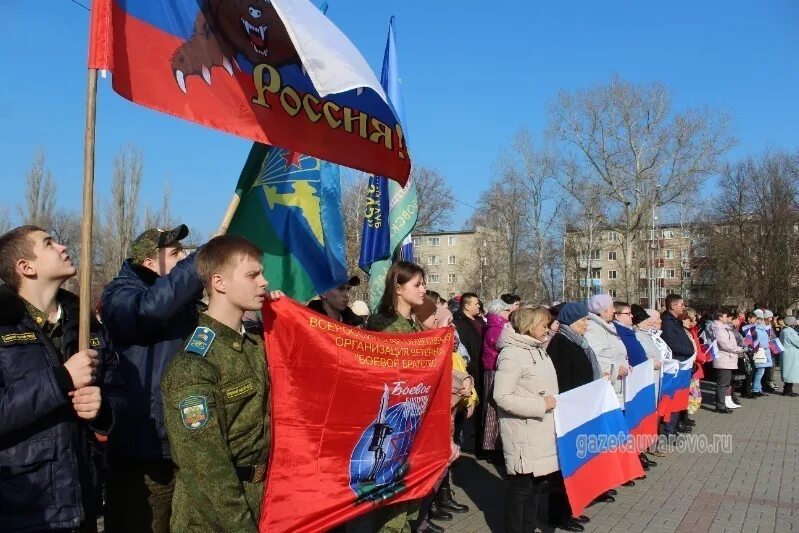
point(683, 389)
point(668, 386)
point(640, 405)
point(593, 443)
point(712, 350)
point(776, 346)
point(750, 337)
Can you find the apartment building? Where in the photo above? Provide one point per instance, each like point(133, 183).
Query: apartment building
point(455, 261)
point(662, 260)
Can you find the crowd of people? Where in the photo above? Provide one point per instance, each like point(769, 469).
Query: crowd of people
point(163, 422)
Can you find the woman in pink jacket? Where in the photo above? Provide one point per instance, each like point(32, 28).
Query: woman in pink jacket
point(726, 359)
point(497, 313)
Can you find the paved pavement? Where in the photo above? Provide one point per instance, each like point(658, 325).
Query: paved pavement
point(752, 487)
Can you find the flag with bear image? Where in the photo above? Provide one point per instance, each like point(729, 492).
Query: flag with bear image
point(277, 72)
point(290, 207)
point(359, 419)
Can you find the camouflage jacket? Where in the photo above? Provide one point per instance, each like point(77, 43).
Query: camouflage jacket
point(217, 419)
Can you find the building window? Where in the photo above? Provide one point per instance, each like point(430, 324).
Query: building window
point(417, 259)
point(433, 241)
point(611, 256)
point(612, 293)
point(611, 274)
point(668, 233)
point(433, 260)
point(684, 253)
point(451, 240)
point(613, 236)
point(595, 273)
point(451, 278)
point(451, 260)
point(432, 278)
point(670, 273)
point(686, 274)
point(417, 242)
point(595, 255)
point(669, 254)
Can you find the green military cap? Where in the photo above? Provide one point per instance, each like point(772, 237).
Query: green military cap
point(146, 244)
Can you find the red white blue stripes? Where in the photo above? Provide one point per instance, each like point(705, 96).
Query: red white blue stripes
point(640, 404)
point(592, 442)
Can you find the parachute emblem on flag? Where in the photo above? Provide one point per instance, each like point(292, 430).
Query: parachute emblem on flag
point(379, 461)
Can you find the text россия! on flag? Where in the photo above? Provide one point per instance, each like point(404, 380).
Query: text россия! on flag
point(277, 72)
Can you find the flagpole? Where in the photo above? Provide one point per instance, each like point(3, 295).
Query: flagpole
point(86, 262)
point(231, 210)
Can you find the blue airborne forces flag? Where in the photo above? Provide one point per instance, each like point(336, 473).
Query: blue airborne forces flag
point(291, 208)
point(393, 208)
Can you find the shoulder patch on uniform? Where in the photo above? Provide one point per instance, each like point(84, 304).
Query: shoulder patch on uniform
point(94, 342)
point(200, 341)
point(18, 338)
point(194, 412)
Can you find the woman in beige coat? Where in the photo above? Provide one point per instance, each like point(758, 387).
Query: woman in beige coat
point(525, 386)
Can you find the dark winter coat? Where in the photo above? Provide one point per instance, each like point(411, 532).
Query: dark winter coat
point(470, 335)
point(48, 468)
point(571, 363)
point(149, 318)
point(676, 337)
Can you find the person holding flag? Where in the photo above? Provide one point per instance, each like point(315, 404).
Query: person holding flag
point(525, 390)
point(758, 333)
point(216, 393)
point(682, 348)
point(149, 309)
point(405, 288)
point(54, 398)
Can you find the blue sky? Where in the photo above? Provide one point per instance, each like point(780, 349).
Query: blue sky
point(473, 73)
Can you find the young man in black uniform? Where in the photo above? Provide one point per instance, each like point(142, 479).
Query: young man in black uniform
point(54, 399)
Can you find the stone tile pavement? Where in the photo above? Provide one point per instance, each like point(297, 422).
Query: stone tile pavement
point(751, 487)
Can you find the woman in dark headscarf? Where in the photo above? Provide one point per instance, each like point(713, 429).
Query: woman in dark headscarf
point(575, 362)
point(575, 365)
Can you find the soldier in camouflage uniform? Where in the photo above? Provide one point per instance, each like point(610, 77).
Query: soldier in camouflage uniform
point(215, 398)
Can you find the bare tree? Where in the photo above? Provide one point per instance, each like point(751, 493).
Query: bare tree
point(583, 235)
point(161, 217)
point(5, 219)
point(751, 245)
point(115, 231)
point(64, 227)
point(626, 138)
point(353, 198)
point(40, 192)
point(520, 211)
point(435, 199)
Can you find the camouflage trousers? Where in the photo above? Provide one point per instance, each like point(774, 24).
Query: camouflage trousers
point(139, 497)
point(397, 518)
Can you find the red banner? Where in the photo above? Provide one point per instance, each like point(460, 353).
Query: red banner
point(359, 419)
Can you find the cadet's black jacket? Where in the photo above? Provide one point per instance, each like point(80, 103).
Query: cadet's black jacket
point(48, 475)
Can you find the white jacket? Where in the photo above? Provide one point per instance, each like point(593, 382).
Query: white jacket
point(524, 376)
point(609, 349)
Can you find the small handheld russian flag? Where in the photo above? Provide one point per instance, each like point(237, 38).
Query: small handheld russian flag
point(776, 346)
